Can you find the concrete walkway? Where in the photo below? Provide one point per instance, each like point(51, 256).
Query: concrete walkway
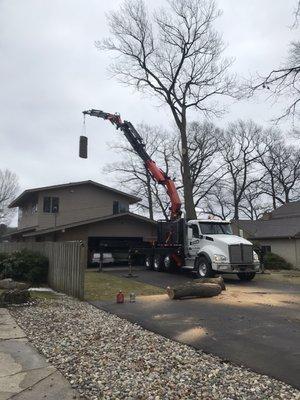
point(24, 373)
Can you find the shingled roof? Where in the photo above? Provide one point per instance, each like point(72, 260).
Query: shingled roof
point(284, 222)
point(289, 210)
point(273, 228)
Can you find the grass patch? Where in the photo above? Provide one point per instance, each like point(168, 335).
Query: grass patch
point(104, 286)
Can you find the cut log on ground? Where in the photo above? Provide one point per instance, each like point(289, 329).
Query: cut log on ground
point(194, 290)
point(218, 280)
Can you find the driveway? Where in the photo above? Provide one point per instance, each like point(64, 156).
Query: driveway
point(255, 324)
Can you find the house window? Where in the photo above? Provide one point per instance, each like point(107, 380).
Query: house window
point(119, 208)
point(265, 249)
point(51, 204)
point(34, 208)
point(195, 230)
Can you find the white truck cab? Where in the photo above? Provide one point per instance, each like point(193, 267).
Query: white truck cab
point(212, 248)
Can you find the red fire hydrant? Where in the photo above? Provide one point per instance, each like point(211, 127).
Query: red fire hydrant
point(120, 297)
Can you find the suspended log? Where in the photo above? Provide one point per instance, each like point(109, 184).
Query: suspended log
point(194, 290)
point(218, 280)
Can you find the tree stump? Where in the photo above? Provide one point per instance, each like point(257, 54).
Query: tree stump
point(194, 290)
point(218, 280)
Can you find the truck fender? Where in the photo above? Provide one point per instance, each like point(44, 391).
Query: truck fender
point(202, 254)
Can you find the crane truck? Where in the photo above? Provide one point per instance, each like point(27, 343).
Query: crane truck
point(205, 247)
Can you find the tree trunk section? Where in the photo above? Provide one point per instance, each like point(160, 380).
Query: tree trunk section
point(218, 281)
point(194, 290)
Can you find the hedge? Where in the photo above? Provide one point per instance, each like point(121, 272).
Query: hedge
point(274, 261)
point(24, 265)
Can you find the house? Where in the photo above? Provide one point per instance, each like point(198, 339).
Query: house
point(87, 211)
point(277, 232)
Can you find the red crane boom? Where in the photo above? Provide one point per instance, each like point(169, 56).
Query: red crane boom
point(138, 145)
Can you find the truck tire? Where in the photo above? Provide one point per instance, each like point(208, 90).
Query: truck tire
point(149, 262)
point(246, 276)
point(169, 264)
point(157, 263)
point(203, 268)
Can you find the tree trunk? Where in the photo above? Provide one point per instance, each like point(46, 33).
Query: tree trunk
point(149, 195)
point(186, 178)
point(218, 281)
point(236, 212)
point(194, 290)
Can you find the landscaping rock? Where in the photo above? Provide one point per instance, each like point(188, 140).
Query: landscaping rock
point(106, 357)
point(21, 285)
point(14, 296)
point(7, 283)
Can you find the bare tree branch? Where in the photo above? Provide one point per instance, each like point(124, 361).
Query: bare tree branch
point(8, 190)
point(175, 55)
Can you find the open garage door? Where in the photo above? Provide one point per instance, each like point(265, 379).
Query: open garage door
point(115, 248)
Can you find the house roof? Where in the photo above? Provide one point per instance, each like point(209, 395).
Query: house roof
point(17, 231)
point(291, 209)
point(27, 193)
point(273, 228)
point(38, 232)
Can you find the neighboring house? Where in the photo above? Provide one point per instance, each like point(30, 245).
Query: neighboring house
point(277, 232)
point(85, 211)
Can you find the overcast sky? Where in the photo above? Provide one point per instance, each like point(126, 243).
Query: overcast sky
point(50, 71)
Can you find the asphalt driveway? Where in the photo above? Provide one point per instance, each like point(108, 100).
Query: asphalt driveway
point(255, 324)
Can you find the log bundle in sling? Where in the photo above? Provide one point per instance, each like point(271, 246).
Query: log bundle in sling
point(205, 287)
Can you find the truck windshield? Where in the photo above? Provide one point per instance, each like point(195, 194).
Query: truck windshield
point(212, 228)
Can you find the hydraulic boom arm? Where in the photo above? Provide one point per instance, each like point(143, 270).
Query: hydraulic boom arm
point(138, 145)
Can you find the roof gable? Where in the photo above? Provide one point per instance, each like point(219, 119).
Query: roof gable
point(27, 193)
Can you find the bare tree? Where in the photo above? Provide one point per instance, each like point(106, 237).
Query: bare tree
point(218, 202)
point(203, 150)
point(284, 82)
point(133, 176)
point(175, 55)
point(282, 172)
point(254, 202)
point(8, 190)
point(241, 148)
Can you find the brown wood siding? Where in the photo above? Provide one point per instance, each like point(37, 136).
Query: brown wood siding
point(78, 204)
point(28, 218)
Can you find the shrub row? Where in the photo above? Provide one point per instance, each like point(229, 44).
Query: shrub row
point(273, 261)
point(24, 265)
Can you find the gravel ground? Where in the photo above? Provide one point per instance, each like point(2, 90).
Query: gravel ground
point(105, 357)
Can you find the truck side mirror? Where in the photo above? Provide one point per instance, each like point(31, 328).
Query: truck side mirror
point(83, 144)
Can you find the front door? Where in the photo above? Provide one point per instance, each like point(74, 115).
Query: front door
point(194, 239)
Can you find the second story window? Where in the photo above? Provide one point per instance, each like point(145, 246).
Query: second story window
point(119, 208)
point(51, 204)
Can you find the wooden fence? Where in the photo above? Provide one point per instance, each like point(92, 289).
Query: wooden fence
point(67, 263)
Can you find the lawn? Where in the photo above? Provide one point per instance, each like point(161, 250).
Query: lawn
point(104, 286)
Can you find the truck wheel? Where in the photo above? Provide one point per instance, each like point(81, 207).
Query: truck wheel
point(149, 262)
point(157, 263)
point(203, 268)
point(169, 263)
point(246, 276)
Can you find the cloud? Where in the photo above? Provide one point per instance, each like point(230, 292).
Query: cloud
point(50, 71)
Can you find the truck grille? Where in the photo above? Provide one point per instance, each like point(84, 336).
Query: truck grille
point(241, 254)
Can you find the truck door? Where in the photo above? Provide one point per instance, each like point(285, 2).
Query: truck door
point(194, 239)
